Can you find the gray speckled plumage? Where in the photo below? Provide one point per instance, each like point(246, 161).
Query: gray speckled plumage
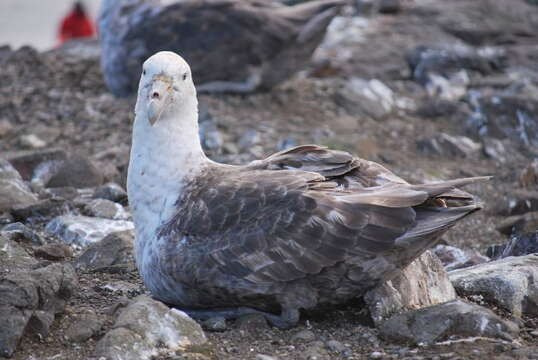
point(305, 227)
point(270, 234)
point(232, 45)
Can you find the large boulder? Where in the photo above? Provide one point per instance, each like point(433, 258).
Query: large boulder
point(422, 283)
point(147, 328)
point(510, 283)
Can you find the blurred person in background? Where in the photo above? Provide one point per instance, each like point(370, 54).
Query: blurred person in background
point(76, 24)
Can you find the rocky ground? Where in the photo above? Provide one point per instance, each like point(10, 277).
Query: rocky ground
point(432, 90)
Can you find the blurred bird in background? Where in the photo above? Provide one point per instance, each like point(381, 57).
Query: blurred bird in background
point(236, 46)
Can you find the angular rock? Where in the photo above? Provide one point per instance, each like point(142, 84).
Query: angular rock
point(106, 209)
point(83, 230)
point(519, 224)
point(53, 252)
point(24, 291)
point(454, 258)
point(510, 283)
point(447, 145)
point(14, 322)
point(523, 244)
point(40, 323)
point(147, 328)
point(454, 318)
point(422, 283)
point(21, 233)
point(13, 190)
point(114, 249)
point(112, 192)
point(84, 327)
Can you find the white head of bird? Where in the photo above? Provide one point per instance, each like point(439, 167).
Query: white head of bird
point(166, 121)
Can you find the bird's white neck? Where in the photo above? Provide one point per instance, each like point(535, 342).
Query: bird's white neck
point(163, 156)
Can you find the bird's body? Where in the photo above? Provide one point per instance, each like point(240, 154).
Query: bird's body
point(302, 228)
point(234, 45)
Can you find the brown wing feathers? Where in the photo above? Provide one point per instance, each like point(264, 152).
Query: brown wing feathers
point(266, 225)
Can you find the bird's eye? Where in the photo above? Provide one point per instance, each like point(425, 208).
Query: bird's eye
point(185, 76)
point(143, 72)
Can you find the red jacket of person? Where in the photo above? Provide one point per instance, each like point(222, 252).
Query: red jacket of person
point(76, 24)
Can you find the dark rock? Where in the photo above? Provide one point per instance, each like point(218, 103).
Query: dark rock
point(76, 171)
point(447, 145)
point(215, 324)
point(423, 283)
point(454, 258)
point(21, 233)
point(26, 162)
point(114, 249)
point(13, 190)
point(505, 117)
point(23, 292)
point(41, 210)
point(509, 283)
point(519, 245)
point(14, 322)
point(454, 318)
point(53, 252)
point(303, 336)
point(83, 230)
point(252, 322)
point(40, 323)
point(84, 327)
point(147, 328)
point(519, 224)
point(112, 192)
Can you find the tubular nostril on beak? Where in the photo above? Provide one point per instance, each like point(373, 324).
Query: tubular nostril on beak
point(155, 95)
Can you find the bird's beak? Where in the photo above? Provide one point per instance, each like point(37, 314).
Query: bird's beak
point(160, 97)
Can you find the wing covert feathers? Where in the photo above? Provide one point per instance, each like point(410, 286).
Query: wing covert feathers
point(308, 208)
